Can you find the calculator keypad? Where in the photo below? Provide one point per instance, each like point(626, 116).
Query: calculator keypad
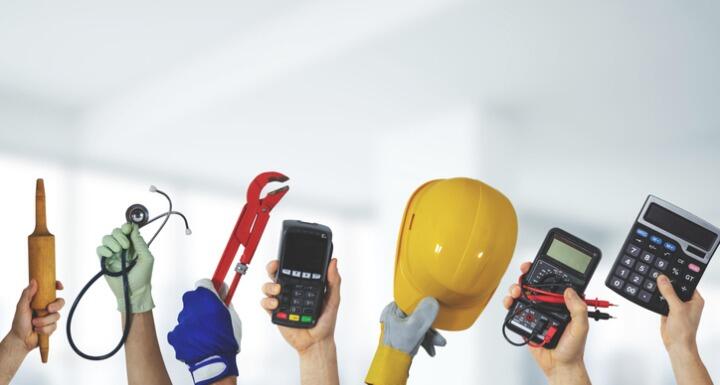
point(645, 255)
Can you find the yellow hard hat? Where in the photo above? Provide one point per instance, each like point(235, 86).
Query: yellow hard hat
point(456, 240)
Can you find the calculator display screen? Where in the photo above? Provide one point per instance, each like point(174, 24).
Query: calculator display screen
point(304, 252)
point(689, 231)
point(568, 255)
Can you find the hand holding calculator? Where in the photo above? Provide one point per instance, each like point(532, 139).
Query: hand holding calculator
point(664, 239)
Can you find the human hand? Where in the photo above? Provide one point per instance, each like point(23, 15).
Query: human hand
point(25, 327)
point(407, 333)
point(679, 328)
point(139, 276)
point(569, 352)
point(302, 339)
point(401, 336)
point(207, 337)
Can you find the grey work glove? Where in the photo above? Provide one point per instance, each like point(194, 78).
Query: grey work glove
point(408, 333)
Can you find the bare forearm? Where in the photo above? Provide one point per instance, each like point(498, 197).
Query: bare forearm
point(144, 361)
point(318, 364)
point(688, 367)
point(569, 375)
point(226, 381)
point(12, 354)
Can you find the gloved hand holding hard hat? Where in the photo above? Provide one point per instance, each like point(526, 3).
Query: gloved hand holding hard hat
point(400, 339)
point(456, 240)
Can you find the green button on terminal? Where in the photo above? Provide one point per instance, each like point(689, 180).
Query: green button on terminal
point(306, 319)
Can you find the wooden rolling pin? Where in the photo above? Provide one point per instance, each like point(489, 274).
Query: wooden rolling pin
point(41, 260)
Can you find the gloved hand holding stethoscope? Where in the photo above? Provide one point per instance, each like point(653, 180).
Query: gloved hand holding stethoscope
point(127, 239)
point(127, 264)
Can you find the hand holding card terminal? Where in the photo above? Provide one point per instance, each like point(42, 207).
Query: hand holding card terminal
point(305, 251)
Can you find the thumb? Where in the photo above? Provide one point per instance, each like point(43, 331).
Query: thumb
point(424, 315)
point(667, 291)
point(27, 295)
point(388, 311)
point(577, 308)
point(141, 247)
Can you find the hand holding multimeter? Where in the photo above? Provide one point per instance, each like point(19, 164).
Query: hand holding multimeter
point(539, 313)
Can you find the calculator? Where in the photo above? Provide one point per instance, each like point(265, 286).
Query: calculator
point(664, 239)
point(305, 252)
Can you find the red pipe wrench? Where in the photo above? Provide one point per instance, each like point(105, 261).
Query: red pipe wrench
point(248, 229)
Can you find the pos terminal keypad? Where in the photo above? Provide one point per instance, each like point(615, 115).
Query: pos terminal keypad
point(299, 296)
point(668, 240)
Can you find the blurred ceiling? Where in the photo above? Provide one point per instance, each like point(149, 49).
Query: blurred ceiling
point(579, 88)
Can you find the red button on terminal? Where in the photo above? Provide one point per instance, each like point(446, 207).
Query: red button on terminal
point(281, 315)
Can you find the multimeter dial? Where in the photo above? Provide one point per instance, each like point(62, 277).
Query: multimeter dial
point(552, 278)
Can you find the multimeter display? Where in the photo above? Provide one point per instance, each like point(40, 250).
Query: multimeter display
point(304, 252)
point(569, 255)
point(664, 239)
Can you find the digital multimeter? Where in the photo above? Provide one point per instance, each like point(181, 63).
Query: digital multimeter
point(563, 261)
point(305, 251)
point(664, 239)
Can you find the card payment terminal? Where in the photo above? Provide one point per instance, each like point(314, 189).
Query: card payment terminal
point(305, 251)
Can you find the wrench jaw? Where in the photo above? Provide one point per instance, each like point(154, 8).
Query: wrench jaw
point(262, 180)
point(249, 229)
point(274, 197)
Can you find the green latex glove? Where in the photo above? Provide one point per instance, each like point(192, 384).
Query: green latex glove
point(139, 276)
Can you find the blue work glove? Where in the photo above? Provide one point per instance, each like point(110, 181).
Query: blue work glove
point(207, 337)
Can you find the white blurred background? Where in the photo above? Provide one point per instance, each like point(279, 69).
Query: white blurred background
point(576, 110)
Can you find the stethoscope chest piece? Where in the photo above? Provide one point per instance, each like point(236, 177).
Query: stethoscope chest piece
point(137, 214)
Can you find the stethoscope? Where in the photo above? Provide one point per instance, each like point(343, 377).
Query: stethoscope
point(139, 215)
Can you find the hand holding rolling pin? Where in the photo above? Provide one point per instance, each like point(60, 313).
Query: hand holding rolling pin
point(23, 336)
point(25, 327)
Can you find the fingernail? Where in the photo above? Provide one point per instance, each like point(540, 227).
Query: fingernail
point(662, 280)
